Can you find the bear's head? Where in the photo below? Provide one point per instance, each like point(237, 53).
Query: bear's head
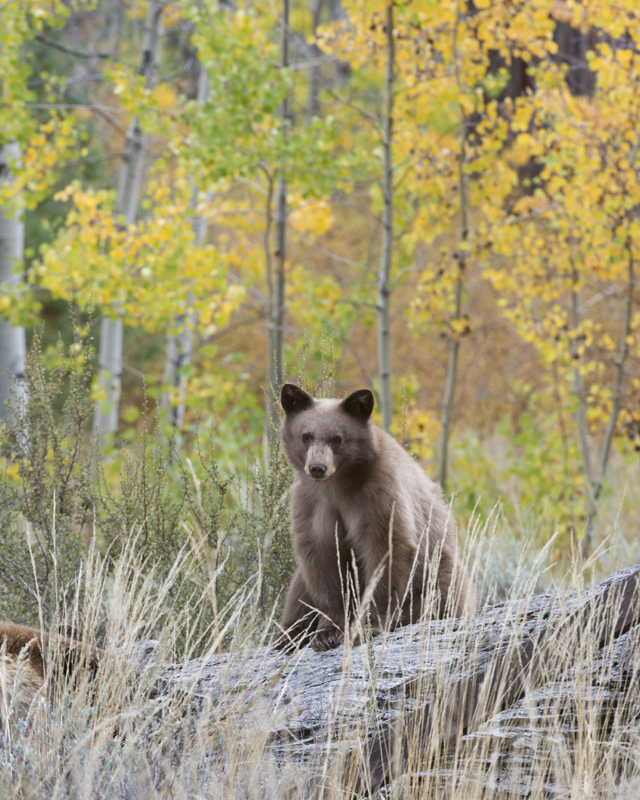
point(324, 437)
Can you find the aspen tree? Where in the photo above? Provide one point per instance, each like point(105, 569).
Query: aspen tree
point(110, 350)
point(368, 35)
point(180, 345)
point(334, 11)
point(276, 278)
point(454, 346)
point(31, 149)
point(572, 245)
point(386, 253)
point(13, 350)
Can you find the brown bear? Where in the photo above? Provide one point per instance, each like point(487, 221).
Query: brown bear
point(23, 653)
point(356, 490)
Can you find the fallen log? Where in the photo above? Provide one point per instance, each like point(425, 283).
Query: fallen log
point(547, 650)
point(356, 718)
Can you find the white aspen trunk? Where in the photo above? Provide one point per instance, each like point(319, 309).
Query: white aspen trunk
point(313, 106)
point(110, 350)
point(13, 348)
point(275, 338)
point(449, 392)
point(384, 273)
point(605, 452)
point(180, 347)
point(580, 416)
point(334, 12)
point(177, 356)
point(270, 409)
point(454, 350)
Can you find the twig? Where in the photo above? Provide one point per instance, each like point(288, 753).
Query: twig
point(362, 111)
point(93, 159)
point(534, 214)
point(601, 295)
point(70, 50)
point(334, 256)
point(312, 62)
point(234, 213)
point(71, 106)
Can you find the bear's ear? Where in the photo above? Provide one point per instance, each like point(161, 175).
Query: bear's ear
point(294, 399)
point(359, 404)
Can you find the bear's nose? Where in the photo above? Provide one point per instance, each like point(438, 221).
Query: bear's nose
point(317, 470)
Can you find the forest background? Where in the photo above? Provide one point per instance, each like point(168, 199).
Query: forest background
point(438, 200)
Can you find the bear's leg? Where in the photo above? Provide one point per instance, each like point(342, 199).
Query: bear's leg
point(298, 618)
point(396, 576)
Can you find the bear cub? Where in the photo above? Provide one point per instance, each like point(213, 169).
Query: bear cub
point(356, 490)
point(19, 643)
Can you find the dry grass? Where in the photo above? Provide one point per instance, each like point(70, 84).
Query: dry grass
point(137, 731)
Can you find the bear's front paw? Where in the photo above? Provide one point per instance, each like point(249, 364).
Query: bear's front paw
point(285, 641)
point(327, 639)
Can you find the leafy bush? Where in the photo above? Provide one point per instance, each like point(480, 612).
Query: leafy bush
point(59, 496)
point(46, 493)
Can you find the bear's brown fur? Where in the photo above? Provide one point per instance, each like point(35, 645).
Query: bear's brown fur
point(23, 654)
point(356, 484)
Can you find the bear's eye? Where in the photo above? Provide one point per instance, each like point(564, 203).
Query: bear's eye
point(306, 437)
point(336, 440)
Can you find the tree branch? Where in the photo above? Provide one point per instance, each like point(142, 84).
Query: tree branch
point(362, 111)
point(70, 50)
